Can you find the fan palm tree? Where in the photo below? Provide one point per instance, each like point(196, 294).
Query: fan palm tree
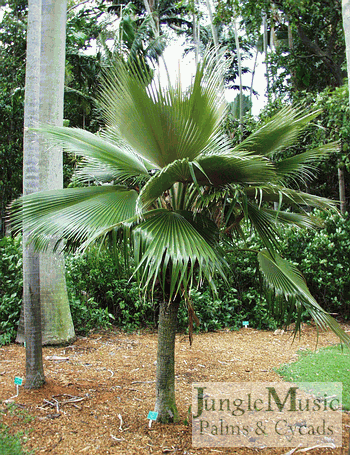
point(162, 167)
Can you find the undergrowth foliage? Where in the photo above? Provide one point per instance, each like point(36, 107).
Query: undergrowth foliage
point(324, 259)
point(102, 294)
point(11, 287)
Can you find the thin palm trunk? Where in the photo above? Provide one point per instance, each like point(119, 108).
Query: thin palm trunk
point(31, 277)
point(195, 25)
point(266, 56)
point(212, 25)
point(341, 184)
point(253, 76)
point(165, 377)
point(238, 50)
point(346, 27)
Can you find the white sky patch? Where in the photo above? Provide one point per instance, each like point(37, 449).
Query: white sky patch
point(177, 64)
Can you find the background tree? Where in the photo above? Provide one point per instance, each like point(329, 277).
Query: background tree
point(12, 75)
point(56, 321)
point(82, 84)
point(31, 157)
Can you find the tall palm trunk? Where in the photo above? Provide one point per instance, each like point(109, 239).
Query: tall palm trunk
point(165, 377)
point(31, 277)
point(346, 27)
point(238, 52)
point(212, 25)
point(56, 318)
point(266, 55)
point(341, 185)
point(57, 324)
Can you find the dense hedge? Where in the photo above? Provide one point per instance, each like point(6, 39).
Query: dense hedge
point(11, 287)
point(324, 259)
point(101, 293)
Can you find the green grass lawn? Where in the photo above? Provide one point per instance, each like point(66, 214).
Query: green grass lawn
point(324, 365)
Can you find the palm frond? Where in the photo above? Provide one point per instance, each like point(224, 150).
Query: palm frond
point(302, 220)
point(171, 249)
point(93, 171)
point(288, 196)
point(177, 171)
point(303, 165)
point(235, 167)
point(264, 226)
point(279, 132)
point(72, 214)
point(165, 124)
point(287, 281)
point(90, 145)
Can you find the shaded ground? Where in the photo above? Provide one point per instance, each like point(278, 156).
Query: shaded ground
point(100, 389)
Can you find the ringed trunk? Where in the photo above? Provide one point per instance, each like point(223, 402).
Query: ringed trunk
point(165, 377)
point(31, 287)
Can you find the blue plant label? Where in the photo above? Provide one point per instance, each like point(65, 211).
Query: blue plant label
point(18, 381)
point(245, 323)
point(152, 415)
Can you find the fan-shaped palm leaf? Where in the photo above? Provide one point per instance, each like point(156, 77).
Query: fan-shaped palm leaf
point(279, 132)
point(74, 213)
point(168, 247)
point(287, 281)
point(164, 125)
point(306, 220)
point(303, 165)
point(86, 144)
point(290, 197)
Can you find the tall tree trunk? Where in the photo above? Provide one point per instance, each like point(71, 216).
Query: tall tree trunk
point(57, 324)
point(31, 277)
point(212, 25)
point(346, 27)
point(238, 51)
point(56, 317)
point(266, 55)
point(165, 377)
point(341, 183)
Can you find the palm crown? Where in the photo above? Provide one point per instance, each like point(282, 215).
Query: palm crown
point(165, 172)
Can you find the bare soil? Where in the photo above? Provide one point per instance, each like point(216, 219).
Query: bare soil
point(100, 389)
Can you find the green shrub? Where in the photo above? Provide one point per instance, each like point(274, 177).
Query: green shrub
point(98, 276)
point(11, 288)
point(240, 299)
point(87, 314)
point(323, 257)
point(101, 293)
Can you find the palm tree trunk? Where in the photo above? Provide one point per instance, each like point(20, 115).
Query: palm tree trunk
point(57, 324)
point(266, 56)
point(252, 81)
point(238, 51)
point(212, 25)
point(341, 183)
point(32, 319)
point(346, 27)
point(31, 277)
point(165, 378)
point(57, 321)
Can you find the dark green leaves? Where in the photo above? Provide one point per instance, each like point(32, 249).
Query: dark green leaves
point(169, 247)
point(286, 280)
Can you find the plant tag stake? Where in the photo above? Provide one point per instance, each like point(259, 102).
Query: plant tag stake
point(18, 381)
point(152, 415)
point(245, 324)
